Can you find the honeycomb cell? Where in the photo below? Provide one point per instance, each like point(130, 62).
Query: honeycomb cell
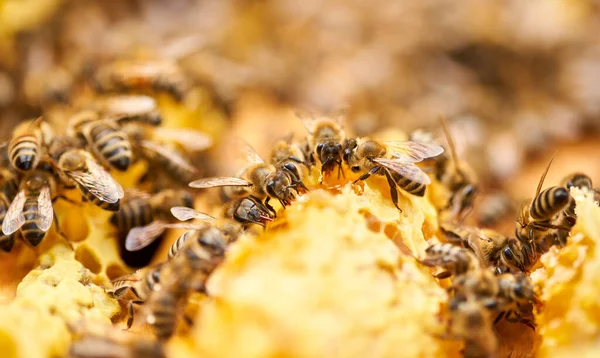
point(114, 270)
point(88, 259)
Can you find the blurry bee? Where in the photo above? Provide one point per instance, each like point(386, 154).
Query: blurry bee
point(248, 210)
point(369, 157)
point(472, 322)
point(31, 210)
point(324, 142)
point(129, 108)
point(142, 75)
point(534, 223)
point(259, 180)
point(581, 180)
point(516, 290)
point(477, 284)
point(96, 184)
point(136, 287)
point(109, 144)
point(460, 181)
point(25, 149)
point(289, 157)
point(493, 208)
point(453, 259)
point(6, 241)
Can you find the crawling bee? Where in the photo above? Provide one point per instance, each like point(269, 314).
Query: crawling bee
point(581, 180)
point(25, 149)
point(104, 137)
point(259, 180)
point(129, 108)
point(145, 76)
point(78, 168)
point(370, 157)
point(290, 157)
point(31, 210)
point(324, 142)
point(163, 158)
point(473, 323)
point(516, 292)
point(456, 176)
point(136, 287)
point(453, 259)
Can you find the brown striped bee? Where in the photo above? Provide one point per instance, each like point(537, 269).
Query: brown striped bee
point(26, 147)
point(324, 142)
point(129, 109)
point(290, 157)
point(145, 76)
point(581, 180)
point(395, 160)
point(248, 210)
point(453, 259)
point(31, 210)
point(473, 323)
point(78, 167)
point(104, 137)
point(259, 180)
point(136, 287)
point(517, 296)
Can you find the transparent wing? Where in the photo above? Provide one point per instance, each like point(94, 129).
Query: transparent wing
point(14, 218)
point(45, 211)
point(169, 154)
point(183, 213)
point(192, 140)
point(247, 150)
point(214, 182)
point(310, 121)
point(407, 170)
point(98, 181)
point(142, 236)
point(127, 278)
point(414, 151)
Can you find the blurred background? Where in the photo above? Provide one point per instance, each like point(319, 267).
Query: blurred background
point(517, 80)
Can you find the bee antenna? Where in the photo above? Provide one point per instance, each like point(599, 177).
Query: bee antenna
point(541, 182)
point(450, 143)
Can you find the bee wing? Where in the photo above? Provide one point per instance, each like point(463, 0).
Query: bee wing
point(142, 236)
point(45, 211)
point(310, 121)
point(168, 153)
point(99, 182)
point(404, 168)
point(192, 140)
point(214, 182)
point(250, 155)
point(183, 213)
point(414, 151)
point(14, 218)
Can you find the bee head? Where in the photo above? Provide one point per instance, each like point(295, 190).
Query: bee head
point(330, 154)
point(349, 148)
point(278, 186)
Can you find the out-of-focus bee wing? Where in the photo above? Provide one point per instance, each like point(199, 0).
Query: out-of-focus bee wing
point(183, 213)
point(99, 182)
point(214, 182)
point(248, 152)
point(134, 194)
point(310, 121)
point(414, 151)
point(14, 218)
point(45, 211)
point(142, 236)
point(168, 153)
point(406, 169)
point(192, 140)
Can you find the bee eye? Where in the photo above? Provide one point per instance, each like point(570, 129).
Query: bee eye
point(320, 148)
point(355, 168)
point(508, 254)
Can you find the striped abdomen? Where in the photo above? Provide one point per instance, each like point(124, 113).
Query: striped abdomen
point(163, 313)
point(24, 151)
point(6, 241)
point(178, 244)
point(409, 185)
point(182, 172)
point(132, 214)
point(548, 203)
point(454, 259)
point(111, 144)
point(30, 231)
point(88, 196)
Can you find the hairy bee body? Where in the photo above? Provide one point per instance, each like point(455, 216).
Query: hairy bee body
point(577, 180)
point(548, 203)
point(410, 186)
point(110, 144)
point(134, 213)
point(455, 260)
point(163, 306)
point(24, 150)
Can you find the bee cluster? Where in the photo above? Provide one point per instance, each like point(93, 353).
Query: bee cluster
point(44, 162)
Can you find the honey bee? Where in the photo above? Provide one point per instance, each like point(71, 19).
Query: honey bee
point(493, 208)
point(142, 75)
point(324, 142)
point(289, 157)
point(516, 290)
point(369, 157)
point(129, 109)
point(248, 210)
point(460, 181)
point(104, 137)
point(25, 149)
point(6, 241)
point(136, 287)
point(31, 210)
point(95, 183)
point(472, 322)
point(259, 180)
point(453, 259)
point(163, 158)
point(581, 180)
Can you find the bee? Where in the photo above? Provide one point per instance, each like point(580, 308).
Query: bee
point(289, 157)
point(31, 210)
point(25, 149)
point(581, 180)
point(460, 181)
point(136, 287)
point(104, 137)
point(516, 292)
point(472, 322)
point(78, 167)
point(259, 180)
point(370, 157)
point(493, 208)
point(129, 108)
point(248, 210)
point(163, 158)
point(453, 259)
point(6, 241)
point(142, 75)
point(324, 142)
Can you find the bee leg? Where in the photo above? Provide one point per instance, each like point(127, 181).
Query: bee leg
point(393, 189)
point(131, 312)
point(61, 233)
point(188, 320)
point(269, 207)
point(442, 275)
point(340, 171)
point(499, 317)
point(366, 175)
point(299, 161)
